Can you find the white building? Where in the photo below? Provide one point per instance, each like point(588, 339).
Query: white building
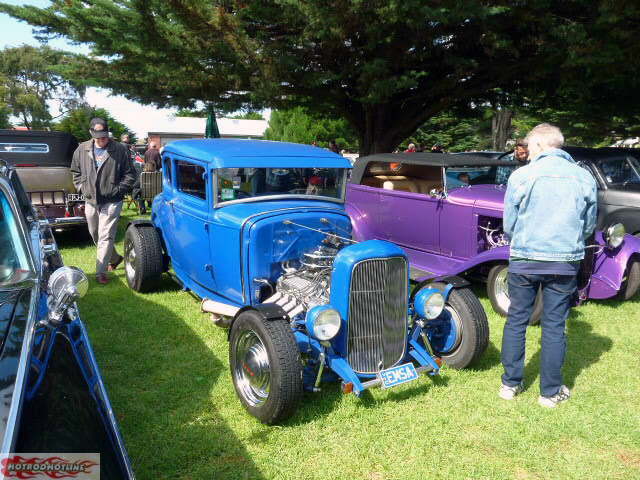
point(178, 128)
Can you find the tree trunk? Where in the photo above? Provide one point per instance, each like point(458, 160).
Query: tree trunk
point(501, 128)
point(381, 132)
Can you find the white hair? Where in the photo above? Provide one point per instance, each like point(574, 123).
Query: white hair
point(545, 136)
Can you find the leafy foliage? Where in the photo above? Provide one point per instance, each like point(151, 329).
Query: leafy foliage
point(386, 66)
point(77, 121)
point(299, 126)
point(31, 77)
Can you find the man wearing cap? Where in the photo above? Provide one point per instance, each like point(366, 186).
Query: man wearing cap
point(103, 173)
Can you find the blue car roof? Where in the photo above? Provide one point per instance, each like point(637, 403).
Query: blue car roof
point(232, 153)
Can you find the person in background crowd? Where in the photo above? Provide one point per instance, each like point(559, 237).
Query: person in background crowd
point(549, 211)
point(333, 146)
point(152, 160)
point(437, 148)
point(102, 171)
point(519, 156)
point(411, 148)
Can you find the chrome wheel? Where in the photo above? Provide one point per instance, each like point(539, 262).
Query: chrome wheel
point(130, 260)
point(456, 330)
point(252, 371)
point(502, 289)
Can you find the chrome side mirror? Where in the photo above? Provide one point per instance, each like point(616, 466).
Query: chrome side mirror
point(66, 285)
point(435, 193)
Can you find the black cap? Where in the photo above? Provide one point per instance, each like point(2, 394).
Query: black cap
point(98, 128)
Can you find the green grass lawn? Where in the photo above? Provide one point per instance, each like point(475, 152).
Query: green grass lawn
point(166, 369)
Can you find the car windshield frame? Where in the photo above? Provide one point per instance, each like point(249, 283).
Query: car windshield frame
point(631, 161)
point(217, 203)
point(13, 228)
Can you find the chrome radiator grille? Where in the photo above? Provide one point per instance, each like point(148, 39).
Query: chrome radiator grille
point(377, 330)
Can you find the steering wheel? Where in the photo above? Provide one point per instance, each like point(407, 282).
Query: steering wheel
point(505, 154)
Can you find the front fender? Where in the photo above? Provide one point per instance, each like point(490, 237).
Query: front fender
point(498, 254)
point(610, 267)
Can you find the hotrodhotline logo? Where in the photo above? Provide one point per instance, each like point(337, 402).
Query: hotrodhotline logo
point(82, 466)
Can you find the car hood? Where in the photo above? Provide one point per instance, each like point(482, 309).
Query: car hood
point(240, 213)
point(482, 196)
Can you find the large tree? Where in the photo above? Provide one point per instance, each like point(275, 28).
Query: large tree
point(386, 66)
point(31, 78)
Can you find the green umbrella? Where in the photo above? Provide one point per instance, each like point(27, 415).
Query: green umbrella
point(211, 130)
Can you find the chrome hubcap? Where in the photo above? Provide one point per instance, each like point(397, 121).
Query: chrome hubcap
point(252, 371)
point(502, 290)
point(459, 327)
point(129, 260)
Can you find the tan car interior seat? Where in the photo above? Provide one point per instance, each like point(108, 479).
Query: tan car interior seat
point(408, 178)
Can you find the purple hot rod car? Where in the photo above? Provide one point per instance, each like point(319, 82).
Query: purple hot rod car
point(446, 213)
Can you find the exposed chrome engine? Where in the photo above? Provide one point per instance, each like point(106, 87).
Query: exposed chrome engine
point(307, 285)
point(494, 236)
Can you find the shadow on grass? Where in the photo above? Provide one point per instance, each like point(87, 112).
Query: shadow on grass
point(160, 375)
point(584, 348)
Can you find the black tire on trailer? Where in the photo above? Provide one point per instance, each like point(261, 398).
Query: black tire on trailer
point(498, 292)
point(631, 283)
point(472, 328)
point(143, 259)
point(265, 366)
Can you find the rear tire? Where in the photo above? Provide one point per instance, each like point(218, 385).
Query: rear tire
point(265, 366)
point(498, 291)
point(631, 285)
point(468, 334)
point(143, 260)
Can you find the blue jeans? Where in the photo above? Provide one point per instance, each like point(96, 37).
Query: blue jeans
point(557, 296)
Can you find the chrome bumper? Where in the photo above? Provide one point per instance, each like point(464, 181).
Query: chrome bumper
point(67, 221)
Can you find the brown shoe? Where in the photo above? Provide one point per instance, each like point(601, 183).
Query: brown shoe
point(102, 278)
point(113, 266)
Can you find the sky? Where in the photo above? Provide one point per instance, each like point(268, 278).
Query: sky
point(139, 118)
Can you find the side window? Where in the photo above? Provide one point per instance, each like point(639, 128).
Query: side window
point(190, 179)
point(405, 177)
point(166, 168)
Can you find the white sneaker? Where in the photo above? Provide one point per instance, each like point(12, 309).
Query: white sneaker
point(552, 402)
point(509, 393)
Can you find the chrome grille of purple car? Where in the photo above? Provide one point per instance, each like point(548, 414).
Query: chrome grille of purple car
point(377, 324)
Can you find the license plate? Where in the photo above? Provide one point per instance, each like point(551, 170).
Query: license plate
point(398, 375)
point(75, 197)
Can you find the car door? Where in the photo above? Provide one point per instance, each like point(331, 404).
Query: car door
point(409, 214)
point(188, 218)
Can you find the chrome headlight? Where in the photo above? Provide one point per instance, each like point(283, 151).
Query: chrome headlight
point(323, 322)
point(429, 303)
point(614, 235)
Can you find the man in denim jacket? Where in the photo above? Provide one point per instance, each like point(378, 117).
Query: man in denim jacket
point(549, 211)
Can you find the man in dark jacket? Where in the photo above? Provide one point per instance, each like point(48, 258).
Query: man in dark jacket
point(103, 173)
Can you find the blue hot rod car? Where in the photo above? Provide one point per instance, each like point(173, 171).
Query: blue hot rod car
point(259, 232)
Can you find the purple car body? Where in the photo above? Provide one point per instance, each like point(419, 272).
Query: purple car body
point(450, 226)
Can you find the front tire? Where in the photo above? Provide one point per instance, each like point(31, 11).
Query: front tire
point(461, 334)
point(143, 260)
point(265, 366)
point(498, 291)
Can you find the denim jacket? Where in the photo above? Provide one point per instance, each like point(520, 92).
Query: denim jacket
point(550, 208)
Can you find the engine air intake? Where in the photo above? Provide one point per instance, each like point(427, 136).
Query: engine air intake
point(377, 314)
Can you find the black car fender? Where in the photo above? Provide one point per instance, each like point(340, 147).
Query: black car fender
point(454, 280)
point(268, 311)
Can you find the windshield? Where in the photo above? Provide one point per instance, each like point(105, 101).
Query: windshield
point(621, 171)
point(247, 183)
point(14, 263)
point(464, 176)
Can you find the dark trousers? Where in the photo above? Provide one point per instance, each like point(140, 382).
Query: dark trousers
point(557, 295)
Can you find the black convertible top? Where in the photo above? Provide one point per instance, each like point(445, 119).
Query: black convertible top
point(603, 153)
point(46, 149)
point(471, 159)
